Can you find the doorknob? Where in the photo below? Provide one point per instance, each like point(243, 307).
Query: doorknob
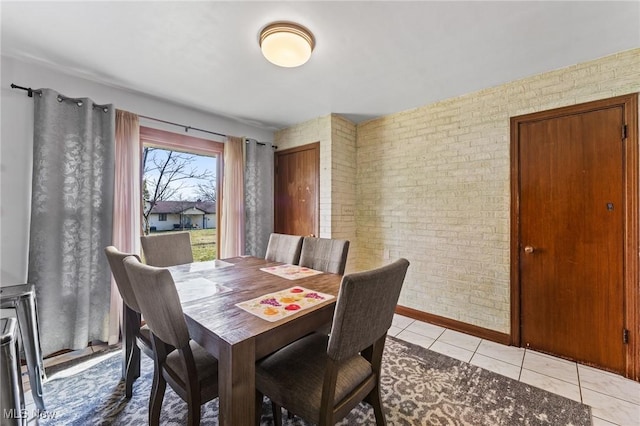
point(529, 249)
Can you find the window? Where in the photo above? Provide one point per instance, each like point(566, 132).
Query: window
point(181, 179)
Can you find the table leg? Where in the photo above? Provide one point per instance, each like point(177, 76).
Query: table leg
point(237, 384)
point(28, 322)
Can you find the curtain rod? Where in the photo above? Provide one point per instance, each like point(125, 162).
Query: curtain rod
point(186, 128)
point(260, 143)
point(29, 90)
point(61, 98)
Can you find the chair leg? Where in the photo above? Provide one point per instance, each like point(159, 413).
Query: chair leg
point(128, 377)
point(131, 327)
point(132, 370)
point(374, 399)
point(193, 418)
point(277, 414)
point(259, 400)
point(130, 350)
point(157, 395)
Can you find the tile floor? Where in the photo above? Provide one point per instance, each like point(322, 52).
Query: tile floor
point(614, 400)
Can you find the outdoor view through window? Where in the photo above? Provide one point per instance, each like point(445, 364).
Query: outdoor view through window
point(179, 192)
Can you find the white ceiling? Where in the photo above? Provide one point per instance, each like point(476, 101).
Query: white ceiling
point(371, 58)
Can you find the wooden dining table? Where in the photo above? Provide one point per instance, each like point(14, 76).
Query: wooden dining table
point(209, 293)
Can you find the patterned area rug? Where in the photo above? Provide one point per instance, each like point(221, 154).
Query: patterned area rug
point(419, 387)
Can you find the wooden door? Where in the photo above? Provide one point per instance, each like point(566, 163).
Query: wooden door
point(571, 222)
point(297, 190)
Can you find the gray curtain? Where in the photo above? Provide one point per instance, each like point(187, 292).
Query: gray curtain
point(258, 196)
point(71, 219)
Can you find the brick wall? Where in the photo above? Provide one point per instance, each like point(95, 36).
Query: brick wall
point(433, 186)
point(343, 184)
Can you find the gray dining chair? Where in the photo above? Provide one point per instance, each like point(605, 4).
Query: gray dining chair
point(324, 254)
point(327, 255)
point(284, 248)
point(172, 248)
point(188, 368)
point(322, 378)
point(137, 337)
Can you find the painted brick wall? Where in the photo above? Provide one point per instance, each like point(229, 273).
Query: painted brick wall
point(343, 184)
point(433, 186)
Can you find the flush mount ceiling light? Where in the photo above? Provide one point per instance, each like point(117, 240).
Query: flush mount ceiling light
point(286, 44)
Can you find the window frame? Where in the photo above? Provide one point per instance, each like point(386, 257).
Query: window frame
point(165, 139)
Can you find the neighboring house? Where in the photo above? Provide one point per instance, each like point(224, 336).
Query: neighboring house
point(169, 215)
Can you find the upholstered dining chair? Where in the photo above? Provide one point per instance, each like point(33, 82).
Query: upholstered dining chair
point(322, 378)
point(140, 336)
point(324, 254)
point(188, 368)
point(284, 248)
point(168, 249)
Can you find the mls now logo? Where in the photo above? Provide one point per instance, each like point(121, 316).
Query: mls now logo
point(14, 413)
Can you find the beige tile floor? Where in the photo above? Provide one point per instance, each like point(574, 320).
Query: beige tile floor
point(614, 400)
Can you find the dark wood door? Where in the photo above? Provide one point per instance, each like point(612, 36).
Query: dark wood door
point(297, 190)
point(572, 212)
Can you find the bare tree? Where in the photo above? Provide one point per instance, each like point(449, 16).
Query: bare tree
point(207, 191)
point(165, 175)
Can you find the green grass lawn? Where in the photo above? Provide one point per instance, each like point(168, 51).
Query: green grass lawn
point(203, 243)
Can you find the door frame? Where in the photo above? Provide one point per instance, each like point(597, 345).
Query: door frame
point(629, 104)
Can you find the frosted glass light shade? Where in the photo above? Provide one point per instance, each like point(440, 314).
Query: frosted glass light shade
point(286, 44)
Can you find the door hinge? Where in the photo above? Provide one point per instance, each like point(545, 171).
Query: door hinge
point(625, 336)
point(624, 132)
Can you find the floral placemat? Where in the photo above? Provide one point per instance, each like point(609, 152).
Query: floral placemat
point(275, 306)
point(291, 272)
